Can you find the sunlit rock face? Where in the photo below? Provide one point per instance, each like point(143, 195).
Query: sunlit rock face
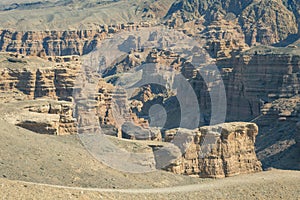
point(218, 151)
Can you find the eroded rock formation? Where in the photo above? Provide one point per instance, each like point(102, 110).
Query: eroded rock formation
point(51, 43)
point(217, 151)
point(37, 79)
point(278, 142)
point(66, 124)
point(264, 22)
point(267, 22)
point(59, 43)
point(258, 76)
point(224, 38)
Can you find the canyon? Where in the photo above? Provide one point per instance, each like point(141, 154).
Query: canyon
point(49, 84)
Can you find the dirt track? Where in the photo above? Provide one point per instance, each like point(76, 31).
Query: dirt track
point(52, 161)
point(275, 184)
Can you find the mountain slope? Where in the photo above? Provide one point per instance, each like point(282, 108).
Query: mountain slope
point(265, 22)
point(77, 14)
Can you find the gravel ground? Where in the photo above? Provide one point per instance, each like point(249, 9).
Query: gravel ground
point(275, 184)
point(34, 166)
point(62, 160)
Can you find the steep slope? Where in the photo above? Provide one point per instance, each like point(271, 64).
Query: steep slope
point(209, 8)
point(265, 22)
point(259, 75)
point(279, 141)
point(294, 6)
point(77, 14)
point(52, 43)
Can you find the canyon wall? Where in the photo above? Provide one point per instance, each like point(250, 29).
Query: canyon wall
point(259, 76)
point(32, 79)
point(51, 43)
point(59, 43)
point(251, 78)
point(55, 81)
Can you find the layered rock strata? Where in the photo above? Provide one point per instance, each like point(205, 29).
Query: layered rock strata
point(43, 116)
point(25, 80)
point(59, 43)
point(259, 76)
point(46, 80)
point(217, 151)
point(54, 119)
point(51, 43)
point(223, 38)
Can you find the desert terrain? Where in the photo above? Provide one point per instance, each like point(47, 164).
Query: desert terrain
point(50, 167)
point(130, 99)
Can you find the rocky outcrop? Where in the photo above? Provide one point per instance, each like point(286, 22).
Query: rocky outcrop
point(26, 79)
point(278, 142)
point(59, 43)
point(51, 43)
point(223, 38)
point(252, 78)
point(54, 118)
point(264, 22)
point(267, 22)
point(258, 76)
point(41, 80)
point(99, 103)
point(217, 151)
point(134, 132)
point(155, 62)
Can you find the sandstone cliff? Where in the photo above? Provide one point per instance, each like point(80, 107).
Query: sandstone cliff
point(258, 76)
point(59, 43)
point(32, 78)
point(252, 78)
point(55, 118)
point(51, 43)
point(218, 151)
point(44, 116)
point(223, 38)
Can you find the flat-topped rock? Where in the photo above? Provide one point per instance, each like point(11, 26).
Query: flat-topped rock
point(218, 151)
